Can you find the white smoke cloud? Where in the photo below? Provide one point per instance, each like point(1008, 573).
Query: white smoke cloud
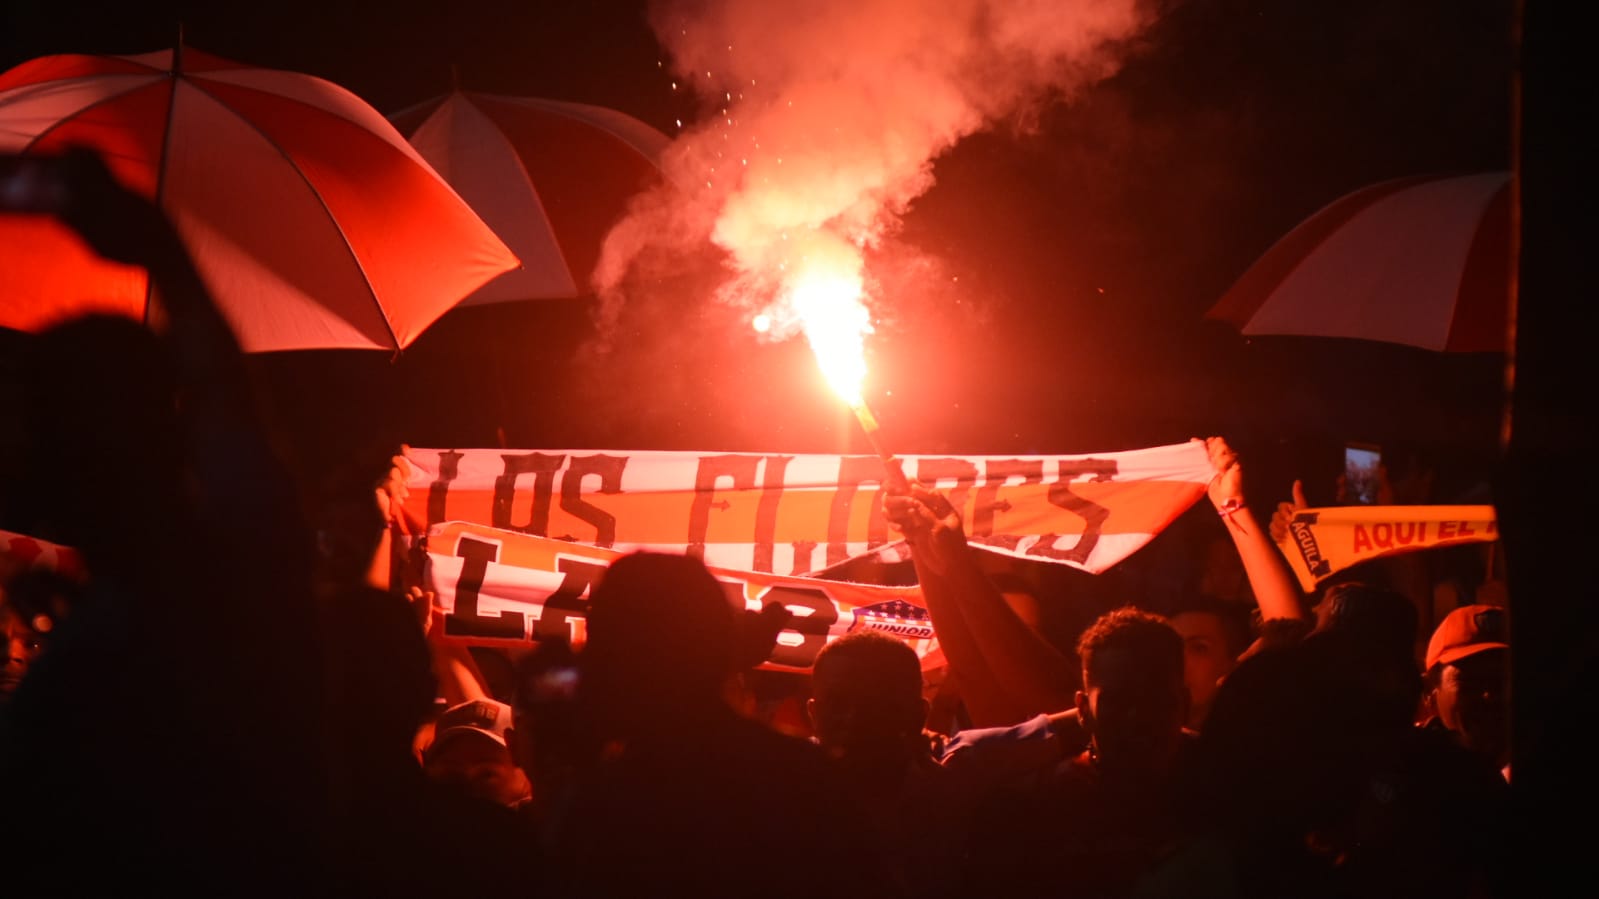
point(823, 119)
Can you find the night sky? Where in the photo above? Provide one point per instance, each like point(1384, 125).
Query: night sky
point(1055, 278)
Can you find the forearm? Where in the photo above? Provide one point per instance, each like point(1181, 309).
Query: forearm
point(208, 356)
point(986, 702)
point(380, 571)
point(1273, 584)
point(1008, 671)
point(1036, 677)
point(460, 679)
point(229, 451)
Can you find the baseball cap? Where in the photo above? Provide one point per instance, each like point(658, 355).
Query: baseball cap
point(477, 716)
point(1466, 631)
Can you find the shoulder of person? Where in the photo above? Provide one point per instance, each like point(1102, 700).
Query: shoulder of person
point(1077, 771)
point(739, 736)
point(1434, 755)
point(1279, 633)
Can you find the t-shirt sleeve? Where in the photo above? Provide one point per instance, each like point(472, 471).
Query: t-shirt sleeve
point(993, 755)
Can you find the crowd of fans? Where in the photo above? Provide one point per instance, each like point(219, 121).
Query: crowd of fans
point(250, 693)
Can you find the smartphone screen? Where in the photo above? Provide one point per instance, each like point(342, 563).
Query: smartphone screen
point(557, 683)
point(1361, 461)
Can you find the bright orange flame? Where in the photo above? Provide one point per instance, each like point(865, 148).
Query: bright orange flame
point(836, 322)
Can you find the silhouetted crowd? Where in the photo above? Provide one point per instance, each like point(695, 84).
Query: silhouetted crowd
point(250, 693)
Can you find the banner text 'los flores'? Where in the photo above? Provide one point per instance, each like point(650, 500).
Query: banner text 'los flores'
point(766, 512)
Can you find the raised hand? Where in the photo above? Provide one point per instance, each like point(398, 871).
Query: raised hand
point(760, 631)
point(116, 222)
point(929, 521)
point(422, 605)
point(1285, 513)
point(1226, 487)
point(391, 495)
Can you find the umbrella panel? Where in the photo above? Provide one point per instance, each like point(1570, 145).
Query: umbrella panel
point(365, 217)
point(1420, 261)
point(581, 210)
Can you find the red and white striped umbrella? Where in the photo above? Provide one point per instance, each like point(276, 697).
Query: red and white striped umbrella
point(549, 177)
point(314, 223)
point(1420, 261)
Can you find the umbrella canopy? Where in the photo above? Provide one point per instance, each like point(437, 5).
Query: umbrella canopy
point(312, 220)
point(549, 177)
point(1420, 261)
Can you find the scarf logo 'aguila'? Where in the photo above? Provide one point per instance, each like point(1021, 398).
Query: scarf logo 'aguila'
point(1306, 541)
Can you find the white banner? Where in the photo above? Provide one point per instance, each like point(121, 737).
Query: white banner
point(798, 514)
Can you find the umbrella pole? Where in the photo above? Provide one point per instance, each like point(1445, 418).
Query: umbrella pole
point(161, 166)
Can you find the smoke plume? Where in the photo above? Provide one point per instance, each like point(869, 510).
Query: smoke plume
point(822, 118)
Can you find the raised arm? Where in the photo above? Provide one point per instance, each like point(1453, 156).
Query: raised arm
point(1273, 584)
point(235, 484)
point(123, 226)
point(1007, 671)
point(459, 678)
point(390, 496)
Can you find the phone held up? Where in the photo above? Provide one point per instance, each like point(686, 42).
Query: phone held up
point(1362, 462)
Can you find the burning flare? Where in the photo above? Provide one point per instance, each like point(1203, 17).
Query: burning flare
point(835, 321)
point(828, 306)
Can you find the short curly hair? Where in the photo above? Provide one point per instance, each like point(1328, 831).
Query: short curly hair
point(1145, 635)
point(885, 666)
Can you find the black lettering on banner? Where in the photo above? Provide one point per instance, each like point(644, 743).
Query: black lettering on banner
point(1304, 538)
point(741, 469)
point(766, 512)
point(609, 468)
point(961, 471)
point(803, 551)
point(466, 620)
point(1003, 541)
point(814, 617)
point(1092, 513)
point(854, 471)
point(567, 602)
point(996, 472)
point(543, 468)
point(439, 490)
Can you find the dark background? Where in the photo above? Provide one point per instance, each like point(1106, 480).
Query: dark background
point(1070, 266)
point(1086, 252)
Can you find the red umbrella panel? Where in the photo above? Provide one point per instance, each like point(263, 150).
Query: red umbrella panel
point(1420, 261)
point(314, 223)
point(549, 177)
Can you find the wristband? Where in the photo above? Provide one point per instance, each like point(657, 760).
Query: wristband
point(1227, 508)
